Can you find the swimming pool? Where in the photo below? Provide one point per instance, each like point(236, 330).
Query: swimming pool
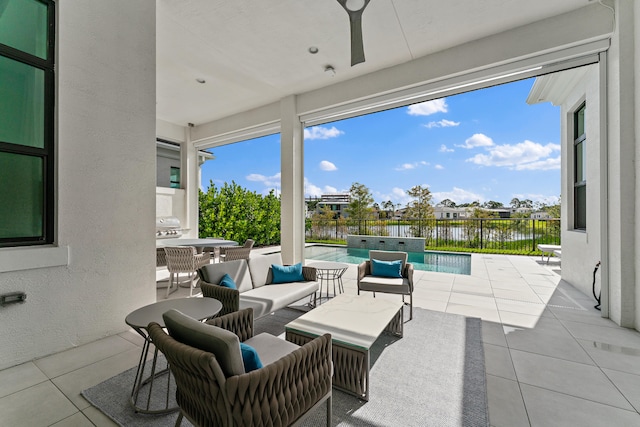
point(427, 261)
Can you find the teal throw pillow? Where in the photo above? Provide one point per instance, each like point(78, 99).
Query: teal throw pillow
point(227, 282)
point(290, 273)
point(386, 268)
point(250, 358)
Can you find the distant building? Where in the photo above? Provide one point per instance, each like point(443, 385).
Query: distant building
point(442, 212)
point(540, 215)
point(337, 203)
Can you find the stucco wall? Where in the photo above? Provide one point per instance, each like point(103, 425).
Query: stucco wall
point(581, 249)
point(106, 179)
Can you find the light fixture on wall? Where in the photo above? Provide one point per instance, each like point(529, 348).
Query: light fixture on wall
point(354, 9)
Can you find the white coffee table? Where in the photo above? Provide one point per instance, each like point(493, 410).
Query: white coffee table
point(354, 322)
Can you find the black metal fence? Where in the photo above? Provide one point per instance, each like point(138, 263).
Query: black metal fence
point(518, 234)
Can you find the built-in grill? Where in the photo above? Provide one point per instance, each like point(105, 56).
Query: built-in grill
point(168, 227)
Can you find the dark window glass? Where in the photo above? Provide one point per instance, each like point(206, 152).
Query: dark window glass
point(26, 122)
point(579, 165)
point(175, 177)
point(22, 192)
point(580, 220)
point(580, 161)
point(23, 26)
point(21, 103)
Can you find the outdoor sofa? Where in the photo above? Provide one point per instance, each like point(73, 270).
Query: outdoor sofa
point(253, 278)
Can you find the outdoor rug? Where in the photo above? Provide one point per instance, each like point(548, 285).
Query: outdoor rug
point(433, 376)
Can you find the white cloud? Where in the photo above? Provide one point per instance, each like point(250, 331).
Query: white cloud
point(439, 167)
point(445, 149)
point(319, 132)
point(525, 155)
point(441, 124)
point(409, 166)
point(428, 107)
point(458, 195)
point(312, 190)
point(477, 140)
point(326, 165)
point(269, 181)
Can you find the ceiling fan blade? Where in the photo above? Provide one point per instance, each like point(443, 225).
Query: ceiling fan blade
point(357, 46)
point(355, 22)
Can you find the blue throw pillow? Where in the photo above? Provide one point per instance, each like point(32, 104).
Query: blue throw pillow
point(227, 282)
point(386, 268)
point(290, 273)
point(250, 358)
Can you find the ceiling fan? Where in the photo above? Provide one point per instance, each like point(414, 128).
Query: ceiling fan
point(355, 8)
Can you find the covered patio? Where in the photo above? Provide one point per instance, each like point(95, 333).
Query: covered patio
point(207, 73)
point(550, 358)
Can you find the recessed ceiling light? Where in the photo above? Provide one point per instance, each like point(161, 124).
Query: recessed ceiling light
point(330, 70)
point(201, 81)
point(313, 50)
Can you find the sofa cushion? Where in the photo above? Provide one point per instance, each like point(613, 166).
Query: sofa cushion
point(287, 274)
point(270, 348)
point(224, 344)
point(267, 299)
point(250, 357)
point(238, 270)
point(260, 268)
point(227, 282)
point(386, 268)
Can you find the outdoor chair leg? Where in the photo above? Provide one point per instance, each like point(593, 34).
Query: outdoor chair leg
point(179, 420)
point(329, 411)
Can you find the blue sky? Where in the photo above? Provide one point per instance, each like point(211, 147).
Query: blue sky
point(483, 145)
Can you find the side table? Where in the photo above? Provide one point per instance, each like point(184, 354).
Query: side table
point(198, 308)
point(330, 272)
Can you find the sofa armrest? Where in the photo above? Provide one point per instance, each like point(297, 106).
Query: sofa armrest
point(364, 269)
point(230, 298)
point(238, 322)
point(408, 273)
point(277, 386)
point(309, 273)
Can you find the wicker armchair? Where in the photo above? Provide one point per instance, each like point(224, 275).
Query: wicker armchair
point(184, 259)
point(233, 252)
point(401, 285)
point(281, 393)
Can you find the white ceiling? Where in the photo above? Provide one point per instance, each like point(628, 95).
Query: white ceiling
point(255, 52)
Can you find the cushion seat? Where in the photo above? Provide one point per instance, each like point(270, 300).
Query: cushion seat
point(269, 298)
point(270, 348)
point(390, 285)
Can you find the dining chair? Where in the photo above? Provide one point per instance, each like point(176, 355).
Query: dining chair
point(184, 259)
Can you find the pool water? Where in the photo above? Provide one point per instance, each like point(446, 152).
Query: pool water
point(427, 261)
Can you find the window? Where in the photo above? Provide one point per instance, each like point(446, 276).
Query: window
point(579, 165)
point(174, 180)
point(26, 122)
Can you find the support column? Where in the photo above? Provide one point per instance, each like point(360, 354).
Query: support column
point(189, 182)
point(292, 182)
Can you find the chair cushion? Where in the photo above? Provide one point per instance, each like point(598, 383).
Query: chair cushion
point(287, 274)
point(250, 358)
point(266, 299)
point(391, 285)
point(271, 348)
point(227, 282)
point(224, 344)
point(386, 268)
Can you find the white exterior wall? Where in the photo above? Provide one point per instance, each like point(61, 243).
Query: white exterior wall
point(636, 102)
point(105, 185)
point(580, 249)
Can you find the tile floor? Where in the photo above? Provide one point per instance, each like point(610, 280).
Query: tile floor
point(551, 360)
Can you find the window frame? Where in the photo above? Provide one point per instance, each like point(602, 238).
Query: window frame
point(47, 152)
point(579, 140)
